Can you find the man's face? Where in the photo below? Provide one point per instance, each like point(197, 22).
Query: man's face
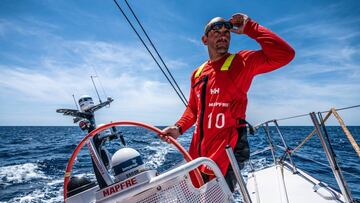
point(218, 38)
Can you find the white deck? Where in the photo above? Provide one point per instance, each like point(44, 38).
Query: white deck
point(267, 185)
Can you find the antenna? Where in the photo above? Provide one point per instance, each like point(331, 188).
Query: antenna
point(95, 88)
point(77, 107)
point(102, 87)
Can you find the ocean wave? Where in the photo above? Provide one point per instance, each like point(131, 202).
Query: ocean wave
point(50, 193)
point(21, 173)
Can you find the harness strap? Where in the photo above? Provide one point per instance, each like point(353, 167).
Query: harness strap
point(227, 63)
point(242, 122)
point(200, 69)
point(224, 67)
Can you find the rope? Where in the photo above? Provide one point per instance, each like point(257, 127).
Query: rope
point(147, 48)
point(303, 142)
point(347, 132)
point(283, 182)
point(255, 181)
point(327, 139)
point(278, 183)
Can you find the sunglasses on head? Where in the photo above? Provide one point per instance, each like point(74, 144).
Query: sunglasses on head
point(218, 26)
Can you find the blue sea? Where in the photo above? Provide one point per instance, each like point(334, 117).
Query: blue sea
point(33, 159)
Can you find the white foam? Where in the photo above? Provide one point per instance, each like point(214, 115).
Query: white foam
point(52, 192)
point(21, 173)
point(56, 182)
point(260, 163)
point(36, 195)
point(40, 196)
point(158, 158)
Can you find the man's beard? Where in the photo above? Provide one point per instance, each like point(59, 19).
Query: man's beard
point(222, 46)
point(222, 49)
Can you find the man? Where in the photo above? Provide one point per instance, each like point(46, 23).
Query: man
point(218, 95)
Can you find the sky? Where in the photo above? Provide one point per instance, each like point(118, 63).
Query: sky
point(49, 50)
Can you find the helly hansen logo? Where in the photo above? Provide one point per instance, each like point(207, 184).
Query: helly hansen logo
point(215, 91)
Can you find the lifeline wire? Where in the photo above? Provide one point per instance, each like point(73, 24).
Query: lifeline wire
point(147, 48)
point(302, 115)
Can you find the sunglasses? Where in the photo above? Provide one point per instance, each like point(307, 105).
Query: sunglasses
point(218, 26)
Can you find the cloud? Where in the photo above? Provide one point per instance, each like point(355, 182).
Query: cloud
point(27, 27)
point(126, 73)
point(133, 95)
point(30, 85)
point(283, 20)
point(321, 31)
point(196, 42)
point(278, 97)
point(109, 55)
point(3, 27)
point(62, 67)
point(326, 51)
point(330, 53)
point(328, 24)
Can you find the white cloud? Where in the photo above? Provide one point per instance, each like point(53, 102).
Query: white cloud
point(41, 84)
point(328, 25)
point(32, 85)
point(105, 55)
point(27, 27)
point(284, 19)
point(329, 54)
point(3, 27)
point(272, 98)
point(126, 74)
point(196, 42)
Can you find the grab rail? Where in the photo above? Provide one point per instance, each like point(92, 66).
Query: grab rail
point(288, 152)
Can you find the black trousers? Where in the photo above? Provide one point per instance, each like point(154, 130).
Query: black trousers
point(241, 152)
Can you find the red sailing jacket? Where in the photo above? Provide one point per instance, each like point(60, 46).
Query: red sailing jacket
point(219, 98)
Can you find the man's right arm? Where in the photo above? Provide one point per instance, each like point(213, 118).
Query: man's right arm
point(187, 119)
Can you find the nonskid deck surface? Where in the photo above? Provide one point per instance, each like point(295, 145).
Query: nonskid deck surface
point(267, 185)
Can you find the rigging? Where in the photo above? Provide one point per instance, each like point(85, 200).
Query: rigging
point(147, 36)
point(177, 88)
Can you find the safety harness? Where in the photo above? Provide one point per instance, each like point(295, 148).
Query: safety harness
point(225, 67)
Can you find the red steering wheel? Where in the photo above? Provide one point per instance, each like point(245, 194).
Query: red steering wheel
point(118, 123)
